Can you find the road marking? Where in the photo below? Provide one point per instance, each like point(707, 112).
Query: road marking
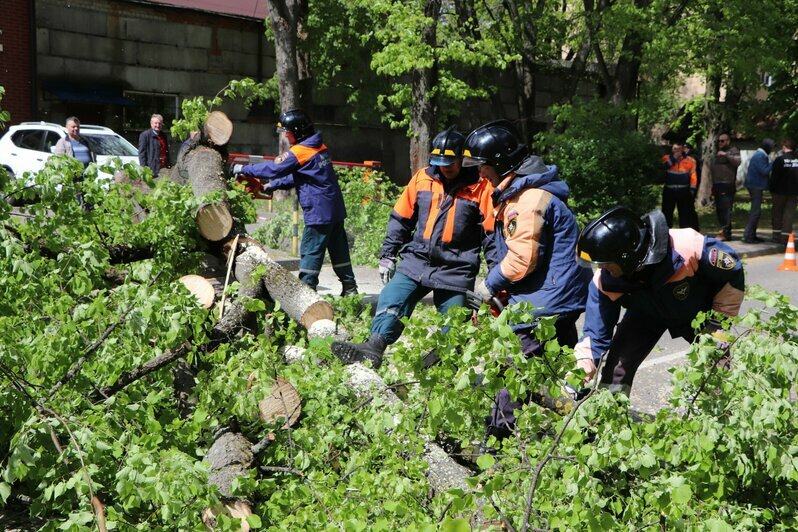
point(664, 359)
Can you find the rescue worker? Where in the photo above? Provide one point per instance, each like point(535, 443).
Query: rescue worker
point(663, 278)
point(438, 227)
point(681, 183)
point(535, 234)
point(308, 167)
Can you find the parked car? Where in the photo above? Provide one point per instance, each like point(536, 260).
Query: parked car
point(27, 146)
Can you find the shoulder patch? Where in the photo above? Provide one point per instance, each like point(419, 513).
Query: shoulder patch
point(721, 259)
point(511, 223)
point(280, 158)
point(681, 291)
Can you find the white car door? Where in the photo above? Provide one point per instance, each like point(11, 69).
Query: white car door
point(27, 153)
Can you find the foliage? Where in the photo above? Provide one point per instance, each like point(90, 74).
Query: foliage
point(369, 197)
point(603, 163)
point(721, 457)
point(196, 109)
point(277, 231)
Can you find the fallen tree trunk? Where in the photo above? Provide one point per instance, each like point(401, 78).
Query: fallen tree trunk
point(204, 167)
point(296, 299)
point(230, 457)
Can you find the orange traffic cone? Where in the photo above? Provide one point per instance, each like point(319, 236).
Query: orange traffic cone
point(789, 257)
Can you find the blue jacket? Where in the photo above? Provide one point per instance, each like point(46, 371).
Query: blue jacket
point(308, 167)
point(698, 274)
point(439, 229)
point(536, 234)
point(758, 170)
point(150, 150)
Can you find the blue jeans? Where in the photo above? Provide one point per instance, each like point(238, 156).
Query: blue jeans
point(756, 211)
point(398, 300)
point(316, 239)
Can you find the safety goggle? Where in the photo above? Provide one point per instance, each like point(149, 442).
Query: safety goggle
point(473, 161)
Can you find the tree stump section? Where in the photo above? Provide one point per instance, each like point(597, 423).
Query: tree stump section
point(217, 128)
point(201, 288)
point(283, 403)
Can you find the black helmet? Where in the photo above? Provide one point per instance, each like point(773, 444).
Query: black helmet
point(297, 122)
point(495, 144)
point(447, 147)
point(619, 236)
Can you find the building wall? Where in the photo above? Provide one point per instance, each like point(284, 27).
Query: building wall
point(15, 59)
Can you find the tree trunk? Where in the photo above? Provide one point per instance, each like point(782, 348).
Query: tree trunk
point(423, 81)
point(296, 299)
point(713, 123)
point(284, 16)
point(205, 170)
point(230, 457)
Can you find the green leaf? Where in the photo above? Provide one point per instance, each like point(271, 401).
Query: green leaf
point(254, 521)
point(486, 461)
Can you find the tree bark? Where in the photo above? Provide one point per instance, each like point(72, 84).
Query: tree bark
point(712, 118)
point(205, 169)
point(423, 81)
point(286, 18)
point(296, 299)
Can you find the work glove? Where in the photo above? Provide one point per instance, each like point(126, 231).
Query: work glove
point(237, 168)
point(589, 365)
point(480, 295)
point(387, 269)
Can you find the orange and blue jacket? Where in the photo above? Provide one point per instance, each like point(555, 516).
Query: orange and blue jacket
point(698, 274)
point(680, 173)
point(308, 167)
point(439, 229)
point(535, 237)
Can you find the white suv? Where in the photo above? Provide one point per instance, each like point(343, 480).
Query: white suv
point(27, 146)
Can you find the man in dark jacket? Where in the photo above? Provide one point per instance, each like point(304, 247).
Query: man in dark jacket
point(438, 227)
point(724, 183)
point(663, 278)
point(307, 167)
point(535, 235)
point(756, 181)
point(154, 146)
point(784, 187)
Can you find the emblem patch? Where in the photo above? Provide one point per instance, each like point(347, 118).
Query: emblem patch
point(280, 158)
point(721, 259)
point(511, 223)
point(681, 291)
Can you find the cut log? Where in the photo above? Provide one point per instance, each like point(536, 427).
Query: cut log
point(218, 128)
point(230, 457)
point(296, 299)
point(204, 168)
point(201, 288)
point(327, 328)
point(283, 403)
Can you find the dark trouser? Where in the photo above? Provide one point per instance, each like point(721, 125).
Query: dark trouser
point(724, 202)
point(502, 416)
point(682, 199)
point(635, 337)
point(316, 239)
point(756, 211)
point(783, 215)
point(398, 300)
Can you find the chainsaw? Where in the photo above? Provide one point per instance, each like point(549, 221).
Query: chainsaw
point(253, 186)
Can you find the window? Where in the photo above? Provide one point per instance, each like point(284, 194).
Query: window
point(50, 141)
point(30, 139)
point(137, 117)
point(110, 145)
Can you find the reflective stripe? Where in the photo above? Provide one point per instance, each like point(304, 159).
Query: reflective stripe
point(448, 229)
point(342, 264)
point(309, 271)
point(388, 311)
point(434, 208)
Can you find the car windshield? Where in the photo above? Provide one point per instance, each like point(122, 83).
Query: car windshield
point(110, 145)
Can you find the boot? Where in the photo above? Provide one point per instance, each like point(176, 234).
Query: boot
point(372, 350)
point(348, 288)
